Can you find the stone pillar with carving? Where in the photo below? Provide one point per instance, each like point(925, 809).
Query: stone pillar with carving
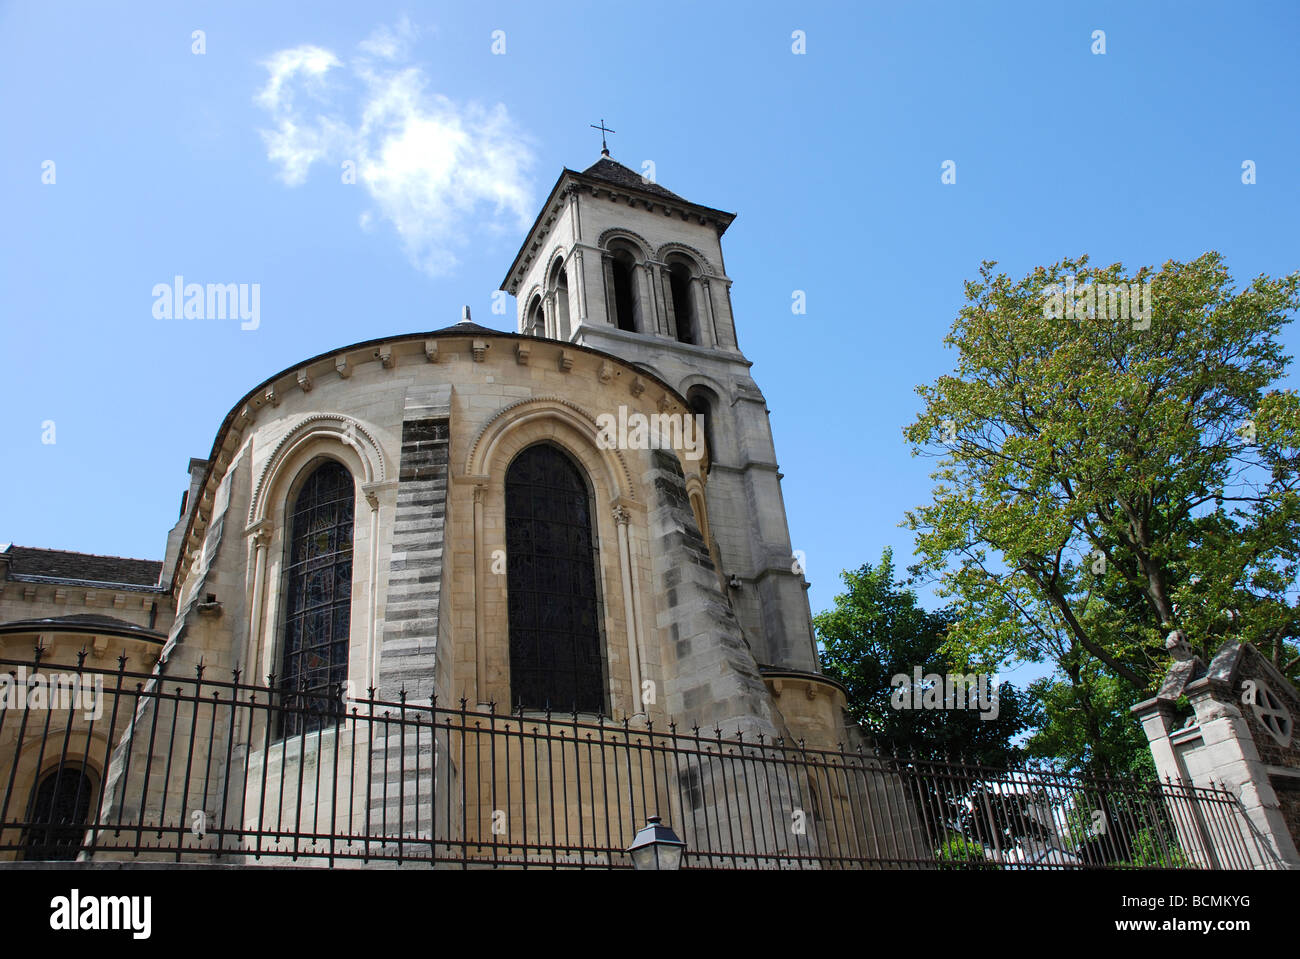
point(580, 279)
point(1240, 734)
point(548, 312)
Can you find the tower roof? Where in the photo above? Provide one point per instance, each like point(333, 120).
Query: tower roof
point(614, 172)
point(610, 176)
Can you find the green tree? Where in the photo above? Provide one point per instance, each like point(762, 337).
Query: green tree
point(1104, 479)
point(877, 630)
point(1086, 723)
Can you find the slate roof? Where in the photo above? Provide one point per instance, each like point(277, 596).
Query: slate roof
point(28, 564)
point(470, 327)
point(84, 623)
point(612, 172)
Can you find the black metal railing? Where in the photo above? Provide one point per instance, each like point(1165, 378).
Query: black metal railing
point(193, 769)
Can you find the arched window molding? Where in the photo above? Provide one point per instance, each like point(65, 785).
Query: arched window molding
point(484, 450)
point(534, 318)
point(352, 444)
point(630, 303)
point(640, 247)
point(703, 267)
point(558, 291)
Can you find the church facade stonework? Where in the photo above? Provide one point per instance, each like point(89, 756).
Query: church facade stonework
point(439, 517)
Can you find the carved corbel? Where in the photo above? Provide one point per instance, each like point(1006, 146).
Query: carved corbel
point(259, 533)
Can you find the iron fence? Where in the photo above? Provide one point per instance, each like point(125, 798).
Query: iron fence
point(112, 764)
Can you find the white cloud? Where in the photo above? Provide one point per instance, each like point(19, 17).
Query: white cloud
point(312, 63)
point(433, 168)
point(390, 43)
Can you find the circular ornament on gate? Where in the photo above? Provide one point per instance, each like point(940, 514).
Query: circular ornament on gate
point(1272, 714)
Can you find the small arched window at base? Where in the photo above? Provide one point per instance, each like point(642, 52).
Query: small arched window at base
point(59, 814)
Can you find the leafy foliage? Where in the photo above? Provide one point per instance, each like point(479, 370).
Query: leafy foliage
point(877, 630)
point(958, 852)
point(1100, 484)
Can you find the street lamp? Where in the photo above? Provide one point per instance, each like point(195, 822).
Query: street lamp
point(656, 846)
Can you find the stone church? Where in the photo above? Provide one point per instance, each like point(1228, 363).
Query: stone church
point(449, 518)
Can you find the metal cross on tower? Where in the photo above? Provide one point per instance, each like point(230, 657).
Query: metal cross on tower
point(604, 147)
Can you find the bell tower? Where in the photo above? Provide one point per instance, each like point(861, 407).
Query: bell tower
point(618, 263)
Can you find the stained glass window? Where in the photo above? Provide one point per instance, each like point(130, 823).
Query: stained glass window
point(318, 599)
point(555, 648)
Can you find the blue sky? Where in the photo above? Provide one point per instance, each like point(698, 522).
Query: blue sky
point(225, 167)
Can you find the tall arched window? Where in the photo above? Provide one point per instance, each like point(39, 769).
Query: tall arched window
point(60, 810)
point(554, 607)
point(703, 402)
point(562, 322)
point(318, 598)
point(679, 282)
point(625, 302)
